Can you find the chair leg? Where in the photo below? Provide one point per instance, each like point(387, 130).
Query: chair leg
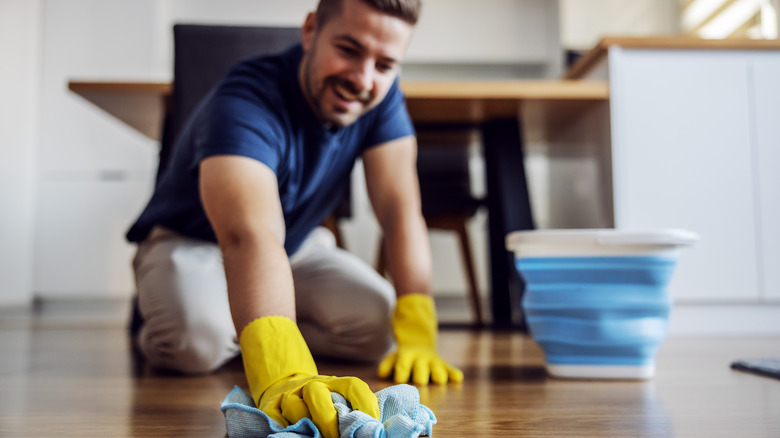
point(459, 226)
point(468, 264)
point(136, 320)
point(381, 266)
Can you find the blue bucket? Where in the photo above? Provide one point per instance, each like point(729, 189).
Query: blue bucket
point(596, 301)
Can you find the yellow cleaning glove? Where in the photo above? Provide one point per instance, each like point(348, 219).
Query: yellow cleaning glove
point(416, 328)
point(284, 382)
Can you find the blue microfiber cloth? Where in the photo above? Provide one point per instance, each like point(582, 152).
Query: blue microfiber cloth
point(399, 408)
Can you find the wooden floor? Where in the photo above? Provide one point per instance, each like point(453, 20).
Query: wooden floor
point(79, 377)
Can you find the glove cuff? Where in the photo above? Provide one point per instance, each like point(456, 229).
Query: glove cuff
point(273, 348)
point(414, 321)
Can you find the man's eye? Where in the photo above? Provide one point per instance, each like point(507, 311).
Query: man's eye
point(348, 50)
point(384, 68)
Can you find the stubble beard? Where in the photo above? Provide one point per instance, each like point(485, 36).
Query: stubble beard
point(316, 99)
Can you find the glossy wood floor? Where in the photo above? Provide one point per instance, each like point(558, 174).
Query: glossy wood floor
point(79, 377)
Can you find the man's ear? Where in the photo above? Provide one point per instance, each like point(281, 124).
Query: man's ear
point(308, 30)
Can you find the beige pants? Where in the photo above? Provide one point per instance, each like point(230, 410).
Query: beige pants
point(343, 305)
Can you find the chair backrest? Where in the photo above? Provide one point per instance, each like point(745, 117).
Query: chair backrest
point(202, 55)
point(444, 172)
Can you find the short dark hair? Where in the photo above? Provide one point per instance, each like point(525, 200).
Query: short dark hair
point(407, 10)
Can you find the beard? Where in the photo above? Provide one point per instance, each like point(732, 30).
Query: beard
point(330, 113)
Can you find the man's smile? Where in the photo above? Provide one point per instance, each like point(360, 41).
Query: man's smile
point(344, 91)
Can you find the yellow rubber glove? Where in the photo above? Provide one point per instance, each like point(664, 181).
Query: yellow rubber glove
point(284, 382)
point(416, 328)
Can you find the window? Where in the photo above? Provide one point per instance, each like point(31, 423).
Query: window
point(718, 19)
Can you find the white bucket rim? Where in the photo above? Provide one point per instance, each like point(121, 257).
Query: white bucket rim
point(588, 241)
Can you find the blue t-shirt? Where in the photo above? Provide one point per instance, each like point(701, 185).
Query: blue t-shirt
point(259, 111)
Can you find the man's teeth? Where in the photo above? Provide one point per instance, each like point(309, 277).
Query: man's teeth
point(344, 93)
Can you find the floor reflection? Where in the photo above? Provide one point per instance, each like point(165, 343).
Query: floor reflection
point(171, 404)
point(507, 391)
point(60, 380)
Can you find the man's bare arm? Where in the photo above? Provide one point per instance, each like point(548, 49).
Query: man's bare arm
point(391, 178)
point(241, 199)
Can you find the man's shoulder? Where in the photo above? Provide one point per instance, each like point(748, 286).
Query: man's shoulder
point(266, 70)
point(264, 81)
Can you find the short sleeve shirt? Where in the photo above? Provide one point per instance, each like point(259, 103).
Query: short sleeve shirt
point(258, 111)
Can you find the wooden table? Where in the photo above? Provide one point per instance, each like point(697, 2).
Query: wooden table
point(507, 112)
point(544, 105)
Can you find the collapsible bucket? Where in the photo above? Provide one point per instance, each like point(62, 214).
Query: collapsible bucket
point(596, 300)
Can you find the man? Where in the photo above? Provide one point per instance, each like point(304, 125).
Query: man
point(228, 231)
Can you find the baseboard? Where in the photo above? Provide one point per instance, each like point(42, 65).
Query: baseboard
point(725, 320)
point(11, 304)
point(729, 320)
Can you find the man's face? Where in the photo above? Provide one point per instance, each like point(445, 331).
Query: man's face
point(350, 62)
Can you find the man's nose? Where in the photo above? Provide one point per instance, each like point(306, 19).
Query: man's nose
point(363, 76)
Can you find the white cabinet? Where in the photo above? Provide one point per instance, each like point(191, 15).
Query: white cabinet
point(695, 146)
point(20, 24)
point(94, 173)
point(765, 85)
point(80, 250)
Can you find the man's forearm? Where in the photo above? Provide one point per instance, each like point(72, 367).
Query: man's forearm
point(259, 279)
point(408, 252)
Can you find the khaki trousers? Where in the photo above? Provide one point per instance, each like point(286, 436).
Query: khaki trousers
point(343, 305)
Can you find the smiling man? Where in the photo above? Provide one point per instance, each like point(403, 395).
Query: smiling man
point(229, 248)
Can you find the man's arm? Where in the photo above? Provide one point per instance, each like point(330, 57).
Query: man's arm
point(241, 200)
point(393, 187)
point(391, 177)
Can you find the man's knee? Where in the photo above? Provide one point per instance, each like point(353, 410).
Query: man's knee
point(190, 350)
point(365, 334)
point(183, 301)
point(378, 339)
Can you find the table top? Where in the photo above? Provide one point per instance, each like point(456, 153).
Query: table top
point(592, 57)
point(141, 105)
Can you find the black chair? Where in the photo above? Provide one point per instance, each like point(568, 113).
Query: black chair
point(202, 55)
point(446, 195)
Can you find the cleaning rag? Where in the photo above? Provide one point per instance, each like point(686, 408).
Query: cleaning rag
point(402, 416)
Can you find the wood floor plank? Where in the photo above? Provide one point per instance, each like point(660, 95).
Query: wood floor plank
point(70, 381)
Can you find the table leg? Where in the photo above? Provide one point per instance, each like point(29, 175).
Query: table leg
point(509, 209)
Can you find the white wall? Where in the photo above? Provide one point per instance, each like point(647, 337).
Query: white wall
point(487, 38)
point(20, 29)
point(584, 22)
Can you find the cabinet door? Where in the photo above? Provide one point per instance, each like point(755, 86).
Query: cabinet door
point(765, 70)
point(95, 40)
point(80, 247)
point(681, 145)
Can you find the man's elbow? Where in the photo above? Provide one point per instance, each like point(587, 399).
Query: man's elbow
point(404, 213)
point(241, 237)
